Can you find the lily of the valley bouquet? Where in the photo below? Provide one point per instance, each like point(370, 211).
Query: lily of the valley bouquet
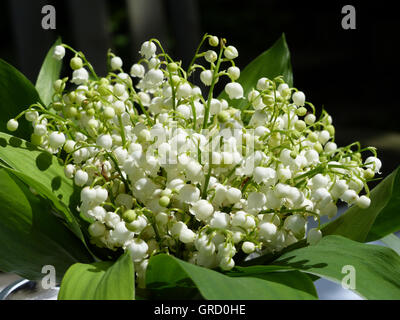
point(145, 185)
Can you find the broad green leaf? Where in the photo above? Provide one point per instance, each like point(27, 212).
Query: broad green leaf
point(284, 275)
point(31, 236)
point(17, 93)
point(377, 268)
point(373, 223)
point(167, 271)
point(272, 63)
point(392, 241)
point(43, 172)
point(100, 281)
point(49, 72)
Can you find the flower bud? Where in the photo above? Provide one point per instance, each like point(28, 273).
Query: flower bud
point(76, 63)
point(267, 231)
point(206, 77)
point(248, 247)
point(210, 56)
point(80, 76)
point(223, 116)
point(213, 41)
point(187, 236)
point(12, 125)
point(81, 177)
point(56, 139)
point(363, 202)
point(234, 72)
point(373, 163)
point(234, 90)
point(69, 146)
point(231, 52)
point(302, 111)
point(59, 53)
point(129, 216)
point(138, 249)
point(104, 141)
point(116, 63)
point(97, 229)
point(69, 171)
point(310, 119)
point(164, 201)
point(148, 49)
point(137, 70)
point(262, 84)
point(299, 98)
point(314, 236)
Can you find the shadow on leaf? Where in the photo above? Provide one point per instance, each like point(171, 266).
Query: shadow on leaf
point(56, 184)
point(15, 142)
point(302, 264)
point(43, 162)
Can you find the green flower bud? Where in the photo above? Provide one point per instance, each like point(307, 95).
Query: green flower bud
point(90, 112)
point(71, 112)
point(36, 140)
point(72, 96)
point(164, 201)
point(76, 63)
point(213, 41)
point(369, 173)
point(268, 100)
point(313, 137)
point(175, 79)
point(129, 216)
point(300, 125)
point(274, 139)
point(172, 67)
point(330, 129)
point(302, 111)
point(318, 147)
point(109, 112)
point(57, 106)
point(286, 92)
point(223, 116)
point(58, 85)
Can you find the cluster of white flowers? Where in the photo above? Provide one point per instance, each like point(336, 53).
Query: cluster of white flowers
point(164, 168)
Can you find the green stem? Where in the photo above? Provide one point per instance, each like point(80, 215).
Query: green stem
point(210, 93)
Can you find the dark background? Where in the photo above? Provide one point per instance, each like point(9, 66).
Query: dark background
point(352, 73)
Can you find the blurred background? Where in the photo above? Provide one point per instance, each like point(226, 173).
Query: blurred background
point(352, 73)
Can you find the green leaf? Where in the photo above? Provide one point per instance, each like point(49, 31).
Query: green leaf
point(284, 275)
point(31, 236)
point(43, 172)
point(167, 271)
point(381, 218)
point(392, 241)
point(49, 72)
point(272, 63)
point(377, 268)
point(17, 93)
point(100, 281)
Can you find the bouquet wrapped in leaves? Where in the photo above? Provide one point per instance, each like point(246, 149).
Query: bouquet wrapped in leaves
point(168, 189)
